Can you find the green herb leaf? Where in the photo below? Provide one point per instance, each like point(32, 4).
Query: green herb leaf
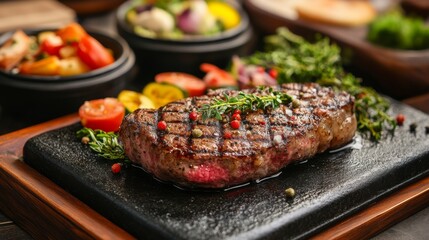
point(298, 60)
point(106, 144)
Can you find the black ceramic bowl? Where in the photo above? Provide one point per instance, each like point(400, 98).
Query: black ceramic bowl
point(185, 55)
point(44, 97)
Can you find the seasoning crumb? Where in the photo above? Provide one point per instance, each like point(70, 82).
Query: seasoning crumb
point(196, 133)
point(290, 192)
point(413, 127)
point(85, 140)
point(427, 129)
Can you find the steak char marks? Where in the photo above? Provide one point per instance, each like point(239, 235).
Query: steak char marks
point(266, 141)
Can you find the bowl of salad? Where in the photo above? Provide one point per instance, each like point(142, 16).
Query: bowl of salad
point(179, 35)
point(50, 72)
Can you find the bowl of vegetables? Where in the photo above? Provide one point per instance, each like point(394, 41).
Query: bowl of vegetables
point(50, 72)
point(180, 35)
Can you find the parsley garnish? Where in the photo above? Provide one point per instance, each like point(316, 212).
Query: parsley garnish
point(297, 60)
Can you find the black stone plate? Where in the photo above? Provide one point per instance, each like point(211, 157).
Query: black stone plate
point(329, 188)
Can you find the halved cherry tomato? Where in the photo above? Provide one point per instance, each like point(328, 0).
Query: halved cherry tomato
point(104, 114)
point(45, 66)
point(91, 52)
point(191, 84)
point(73, 32)
point(216, 77)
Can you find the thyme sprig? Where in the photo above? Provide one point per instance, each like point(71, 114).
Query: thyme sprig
point(244, 102)
point(106, 144)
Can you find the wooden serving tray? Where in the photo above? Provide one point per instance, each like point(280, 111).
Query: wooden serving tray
point(26, 195)
point(397, 73)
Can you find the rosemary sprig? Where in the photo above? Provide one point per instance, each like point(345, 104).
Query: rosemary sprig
point(244, 102)
point(106, 144)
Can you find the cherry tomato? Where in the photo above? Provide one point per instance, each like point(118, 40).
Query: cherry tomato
point(72, 33)
point(104, 114)
point(191, 84)
point(91, 52)
point(52, 45)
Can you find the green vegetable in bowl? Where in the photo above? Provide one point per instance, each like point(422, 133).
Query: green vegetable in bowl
point(394, 30)
point(297, 60)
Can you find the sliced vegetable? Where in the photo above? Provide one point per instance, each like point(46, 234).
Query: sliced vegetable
point(178, 19)
point(52, 45)
point(133, 100)
point(47, 66)
point(72, 66)
point(229, 16)
point(217, 78)
point(104, 114)
point(162, 93)
point(191, 84)
point(93, 53)
point(73, 32)
point(68, 51)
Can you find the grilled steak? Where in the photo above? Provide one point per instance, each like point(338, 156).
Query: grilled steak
point(266, 141)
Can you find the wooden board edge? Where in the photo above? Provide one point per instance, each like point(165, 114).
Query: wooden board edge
point(11, 144)
point(382, 214)
point(43, 209)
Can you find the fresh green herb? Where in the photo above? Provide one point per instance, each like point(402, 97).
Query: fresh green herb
point(394, 30)
point(244, 102)
point(298, 60)
point(106, 144)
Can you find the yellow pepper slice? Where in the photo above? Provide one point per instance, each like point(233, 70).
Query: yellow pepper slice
point(225, 13)
point(46, 66)
point(133, 100)
point(162, 93)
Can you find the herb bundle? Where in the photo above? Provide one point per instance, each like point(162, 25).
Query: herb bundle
point(244, 102)
point(106, 144)
point(297, 60)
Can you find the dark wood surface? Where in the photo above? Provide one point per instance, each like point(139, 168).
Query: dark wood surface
point(10, 231)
